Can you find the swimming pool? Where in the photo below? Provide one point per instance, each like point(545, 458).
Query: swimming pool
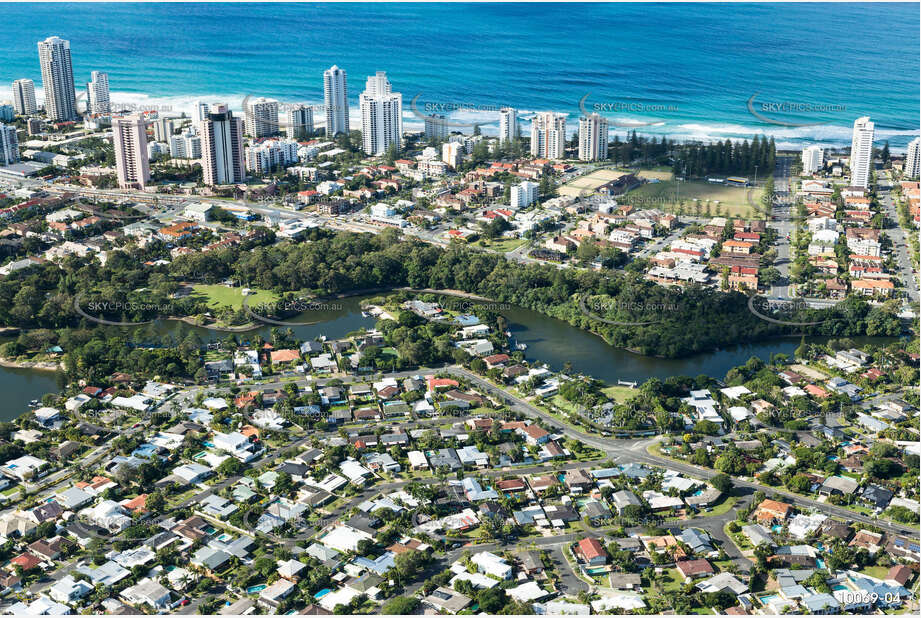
point(255, 589)
point(596, 570)
point(322, 594)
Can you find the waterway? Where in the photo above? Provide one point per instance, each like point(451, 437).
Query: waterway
point(548, 340)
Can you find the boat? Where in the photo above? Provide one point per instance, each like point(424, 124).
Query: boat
point(521, 346)
point(365, 314)
point(33, 403)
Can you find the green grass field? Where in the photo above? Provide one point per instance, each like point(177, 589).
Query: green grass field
point(222, 296)
point(620, 394)
point(878, 572)
point(673, 580)
point(503, 245)
point(662, 173)
point(733, 201)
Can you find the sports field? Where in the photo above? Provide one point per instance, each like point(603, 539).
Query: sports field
point(694, 196)
point(588, 184)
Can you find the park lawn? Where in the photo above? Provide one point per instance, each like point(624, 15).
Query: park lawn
point(725, 504)
point(503, 245)
point(879, 572)
point(674, 580)
point(620, 394)
point(218, 295)
point(563, 404)
point(215, 355)
point(656, 449)
point(733, 201)
point(659, 173)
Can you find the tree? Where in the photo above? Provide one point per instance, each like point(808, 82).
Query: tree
point(231, 467)
point(722, 482)
point(264, 565)
point(799, 483)
point(400, 606)
point(155, 502)
point(492, 600)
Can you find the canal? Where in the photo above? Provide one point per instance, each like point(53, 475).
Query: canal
point(548, 340)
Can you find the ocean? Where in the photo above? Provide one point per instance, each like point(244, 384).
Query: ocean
point(688, 71)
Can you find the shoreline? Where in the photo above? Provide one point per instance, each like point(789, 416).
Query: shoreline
point(34, 365)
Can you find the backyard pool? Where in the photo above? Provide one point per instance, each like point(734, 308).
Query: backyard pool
point(322, 594)
point(255, 589)
point(596, 570)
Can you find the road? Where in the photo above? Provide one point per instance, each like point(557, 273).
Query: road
point(629, 450)
point(899, 241)
point(635, 450)
point(781, 220)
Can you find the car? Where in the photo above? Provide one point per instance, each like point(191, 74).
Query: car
point(184, 602)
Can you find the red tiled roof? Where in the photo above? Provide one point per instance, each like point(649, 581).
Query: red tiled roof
point(693, 567)
point(26, 561)
point(285, 356)
point(590, 548)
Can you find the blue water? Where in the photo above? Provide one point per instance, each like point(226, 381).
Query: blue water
point(701, 61)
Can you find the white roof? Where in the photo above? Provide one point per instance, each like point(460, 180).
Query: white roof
point(135, 402)
point(562, 608)
point(825, 236)
point(46, 413)
point(739, 413)
point(354, 470)
point(734, 392)
point(622, 600)
point(477, 580)
point(214, 403)
point(187, 472)
point(528, 591)
point(291, 567)
point(337, 597)
point(343, 538)
point(417, 459)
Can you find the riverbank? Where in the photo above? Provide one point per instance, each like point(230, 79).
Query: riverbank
point(34, 365)
point(191, 321)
